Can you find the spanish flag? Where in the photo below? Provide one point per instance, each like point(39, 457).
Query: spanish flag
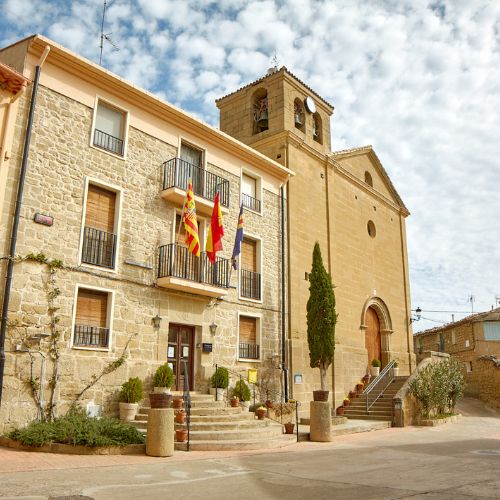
point(190, 222)
point(215, 231)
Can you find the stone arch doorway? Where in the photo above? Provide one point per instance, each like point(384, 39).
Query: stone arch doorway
point(377, 326)
point(373, 341)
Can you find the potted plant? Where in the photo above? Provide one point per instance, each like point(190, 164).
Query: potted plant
point(130, 395)
point(375, 368)
point(321, 320)
point(347, 401)
point(261, 412)
point(180, 416)
point(177, 402)
point(352, 394)
point(181, 435)
point(234, 402)
point(366, 379)
point(340, 411)
point(219, 382)
point(359, 387)
point(163, 379)
point(289, 426)
point(395, 369)
point(242, 392)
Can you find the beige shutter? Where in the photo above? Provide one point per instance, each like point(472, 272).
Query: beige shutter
point(191, 155)
point(100, 211)
point(249, 255)
point(248, 330)
point(249, 185)
point(92, 308)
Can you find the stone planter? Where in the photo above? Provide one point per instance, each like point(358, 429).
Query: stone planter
point(374, 371)
point(218, 393)
point(320, 395)
point(162, 390)
point(160, 400)
point(245, 405)
point(128, 411)
point(395, 371)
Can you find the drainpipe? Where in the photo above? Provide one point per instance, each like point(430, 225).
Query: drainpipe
point(283, 297)
point(17, 214)
point(405, 275)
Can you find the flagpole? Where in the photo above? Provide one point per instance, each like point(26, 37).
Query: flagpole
point(182, 214)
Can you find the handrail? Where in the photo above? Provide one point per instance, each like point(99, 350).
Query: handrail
point(187, 401)
point(386, 377)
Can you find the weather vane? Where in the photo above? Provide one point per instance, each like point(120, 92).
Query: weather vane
point(275, 61)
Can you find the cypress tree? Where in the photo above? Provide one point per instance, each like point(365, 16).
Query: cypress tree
point(321, 317)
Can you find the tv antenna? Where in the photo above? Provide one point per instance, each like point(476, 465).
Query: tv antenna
point(106, 36)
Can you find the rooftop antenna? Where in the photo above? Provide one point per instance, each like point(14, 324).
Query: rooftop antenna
point(275, 62)
point(106, 36)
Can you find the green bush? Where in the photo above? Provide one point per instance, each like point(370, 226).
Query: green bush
point(242, 391)
point(220, 378)
point(376, 363)
point(131, 391)
point(76, 428)
point(164, 376)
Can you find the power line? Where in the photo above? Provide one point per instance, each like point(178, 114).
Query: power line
point(435, 311)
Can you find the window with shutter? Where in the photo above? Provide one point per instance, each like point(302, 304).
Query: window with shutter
point(191, 155)
point(109, 128)
point(91, 319)
point(249, 255)
point(100, 210)
point(250, 277)
point(248, 343)
point(250, 193)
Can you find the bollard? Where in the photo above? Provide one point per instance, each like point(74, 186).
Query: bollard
point(160, 438)
point(320, 421)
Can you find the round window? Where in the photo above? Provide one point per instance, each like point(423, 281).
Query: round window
point(371, 229)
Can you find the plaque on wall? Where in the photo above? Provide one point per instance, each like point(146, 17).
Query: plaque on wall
point(205, 347)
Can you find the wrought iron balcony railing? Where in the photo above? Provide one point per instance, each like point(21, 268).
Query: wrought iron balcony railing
point(250, 202)
point(249, 351)
point(176, 261)
point(250, 285)
point(99, 248)
point(177, 172)
point(90, 336)
point(108, 142)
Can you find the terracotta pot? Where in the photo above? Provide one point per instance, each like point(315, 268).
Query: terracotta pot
point(352, 394)
point(340, 410)
point(160, 400)
point(260, 414)
point(359, 388)
point(347, 402)
point(289, 428)
point(181, 435)
point(321, 395)
point(269, 403)
point(128, 411)
point(180, 417)
point(235, 402)
point(177, 403)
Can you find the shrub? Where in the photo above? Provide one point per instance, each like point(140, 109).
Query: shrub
point(164, 376)
point(76, 428)
point(376, 363)
point(131, 391)
point(242, 391)
point(220, 379)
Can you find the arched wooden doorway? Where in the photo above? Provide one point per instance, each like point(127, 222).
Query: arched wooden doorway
point(372, 335)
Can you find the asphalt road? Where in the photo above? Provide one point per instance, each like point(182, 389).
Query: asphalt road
point(455, 461)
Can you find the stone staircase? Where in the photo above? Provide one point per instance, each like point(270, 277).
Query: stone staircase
point(382, 408)
point(218, 427)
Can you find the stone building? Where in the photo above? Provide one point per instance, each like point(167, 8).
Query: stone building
point(106, 180)
point(475, 342)
point(345, 201)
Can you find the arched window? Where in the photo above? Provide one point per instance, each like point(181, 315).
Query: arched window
point(368, 179)
point(299, 116)
point(317, 128)
point(260, 111)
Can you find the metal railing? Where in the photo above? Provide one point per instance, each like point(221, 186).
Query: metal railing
point(108, 142)
point(249, 351)
point(250, 202)
point(176, 261)
point(177, 172)
point(250, 285)
point(99, 247)
point(378, 385)
point(90, 336)
point(187, 400)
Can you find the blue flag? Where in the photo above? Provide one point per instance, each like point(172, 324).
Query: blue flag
point(237, 240)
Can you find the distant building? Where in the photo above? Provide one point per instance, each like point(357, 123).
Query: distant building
point(475, 342)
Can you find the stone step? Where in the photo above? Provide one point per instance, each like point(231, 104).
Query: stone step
point(204, 410)
point(207, 404)
point(246, 425)
point(372, 411)
point(361, 416)
point(267, 432)
point(239, 417)
point(246, 444)
point(365, 426)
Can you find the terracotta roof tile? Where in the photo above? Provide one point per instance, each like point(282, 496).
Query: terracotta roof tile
point(11, 80)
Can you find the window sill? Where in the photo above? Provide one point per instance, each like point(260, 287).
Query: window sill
point(88, 348)
point(253, 211)
point(248, 299)
point(108, 152)
point(98, 268)
point(249, 360)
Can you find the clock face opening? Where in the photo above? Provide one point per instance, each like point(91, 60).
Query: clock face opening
point(309, 103)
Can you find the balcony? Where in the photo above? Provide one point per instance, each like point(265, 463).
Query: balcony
point(180, 270)
point(249, 351)
point(177, 172)
point(99, 248)
point(90, 336)
point(250, 285)
point(108, 142)
point(250, 202)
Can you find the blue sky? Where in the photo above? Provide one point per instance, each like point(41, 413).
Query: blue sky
point(417, 79)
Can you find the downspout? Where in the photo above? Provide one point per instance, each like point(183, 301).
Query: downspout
point(283, 297)
point(408, 319)
point(17, 214)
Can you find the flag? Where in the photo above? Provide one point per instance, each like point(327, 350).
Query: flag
point(215, 231)
point(237, 240)
point(190, 222)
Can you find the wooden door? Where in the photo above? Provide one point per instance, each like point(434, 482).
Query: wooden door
point(180, 354)
point(372, 336)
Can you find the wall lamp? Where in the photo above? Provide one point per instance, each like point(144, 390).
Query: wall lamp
point(213, 328)
point(157, 321)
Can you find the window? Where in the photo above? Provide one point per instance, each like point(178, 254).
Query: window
point(317, 128)
point(99, 234)
point(260, 111)
point(250, 277)
point(299, 115)
point(492, 330)
point(368, 179)
point(250, 193)
point(109, 128)
point(92, 325)
point(440, 342)
point(372, 231)
point(248, 338)
point(191, 167)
